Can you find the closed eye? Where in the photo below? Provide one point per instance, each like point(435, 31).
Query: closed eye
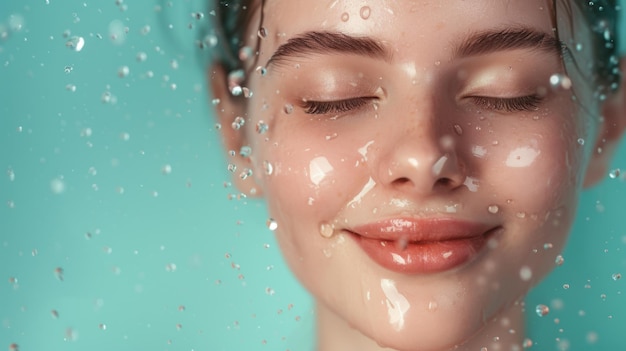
point(515, 104)
point(337, 106)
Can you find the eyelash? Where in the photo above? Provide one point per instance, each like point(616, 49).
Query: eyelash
point(516, 104)
point(338, 106)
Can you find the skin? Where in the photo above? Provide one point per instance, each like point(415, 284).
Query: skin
point(332, 172)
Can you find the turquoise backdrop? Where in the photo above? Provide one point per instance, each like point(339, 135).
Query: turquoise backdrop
point(117, 225)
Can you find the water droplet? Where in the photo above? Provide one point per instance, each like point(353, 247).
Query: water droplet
point(14, 347)
point(75, 43)
point(581, 141)
point(166, 169)
point(261, 70)
point(565, 286)
point(232, 168)
point(245, 151)
point(68, 69)
point(238, 123)
point(579, 47)
point(559, 260)
point(245, 53)
point(102, 326)
point(11, 174)
point(123, 72)
point(268, 168)
point(616, 276)
point(615, 173)
point(547, 246)
point(527, 343)
point(215, 101)
point(484, 349)
point(54, 314)
point(365, 12)
point(288, 108)
point(57, 185)
point(326, 230)
point(560, 81)
point(521, 215)
point(262, 33)
point(179, 326)
point(261, 127)
point(197, 15)
point(271, 224)
point(247, 93)
point(70, 87)
point(493, 209)
point(542, 310)
point(58, 273)
point(170, 267)
point(247, 172)
point(345, 17)
point(525, 273)
point(458, 130)
point(142, 56)
point(269, 291)
point(236, 90)
point(181, 308)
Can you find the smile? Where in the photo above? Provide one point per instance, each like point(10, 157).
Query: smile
point(418, 246)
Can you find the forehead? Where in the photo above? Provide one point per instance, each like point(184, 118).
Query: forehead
point(400, 21)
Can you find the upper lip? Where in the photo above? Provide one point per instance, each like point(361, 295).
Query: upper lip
point(422, 230)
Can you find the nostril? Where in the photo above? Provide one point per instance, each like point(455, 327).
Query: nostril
point(402, 181)
point(444, 182)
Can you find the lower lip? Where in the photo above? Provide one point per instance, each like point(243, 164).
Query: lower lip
point(424, 257)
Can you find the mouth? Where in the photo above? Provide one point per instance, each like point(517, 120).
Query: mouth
point(417, 246)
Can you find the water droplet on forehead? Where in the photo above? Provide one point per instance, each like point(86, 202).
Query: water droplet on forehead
point(365, 12)
point(542, 310)
point(75, 43)
point(271, 224)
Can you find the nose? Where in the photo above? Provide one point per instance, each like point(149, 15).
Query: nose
point(422, 161)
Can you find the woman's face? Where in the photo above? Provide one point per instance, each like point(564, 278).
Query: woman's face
point(422, 160)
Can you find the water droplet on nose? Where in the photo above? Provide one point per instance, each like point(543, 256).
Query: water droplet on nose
point(288, 108)
point(268, 168)
point(261, 127)
point(271, 224)
point(345, 17)
point(542, 310)
point(75, 43)
point(560, 81)
point(493, 209)
point(262, 33)
point(559, 260)
point(458, 130)
point(238, 123)
point(616, 276)
point(326, 230)
point(614, 173)
point(365, 12)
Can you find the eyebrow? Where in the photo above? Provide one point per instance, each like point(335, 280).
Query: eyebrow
point(327, 43)
point(491, 41)
point(480, 43)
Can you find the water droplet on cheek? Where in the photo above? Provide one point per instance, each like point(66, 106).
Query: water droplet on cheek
point(365, 12)
point(326, 230)
point(493, 209)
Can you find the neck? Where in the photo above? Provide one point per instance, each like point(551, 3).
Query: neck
point(333, 333)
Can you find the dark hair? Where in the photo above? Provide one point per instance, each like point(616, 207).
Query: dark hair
point(233, 18)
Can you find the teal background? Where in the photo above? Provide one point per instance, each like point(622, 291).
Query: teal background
point(154, 259)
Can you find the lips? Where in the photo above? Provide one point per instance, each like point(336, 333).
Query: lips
point(419, 246)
